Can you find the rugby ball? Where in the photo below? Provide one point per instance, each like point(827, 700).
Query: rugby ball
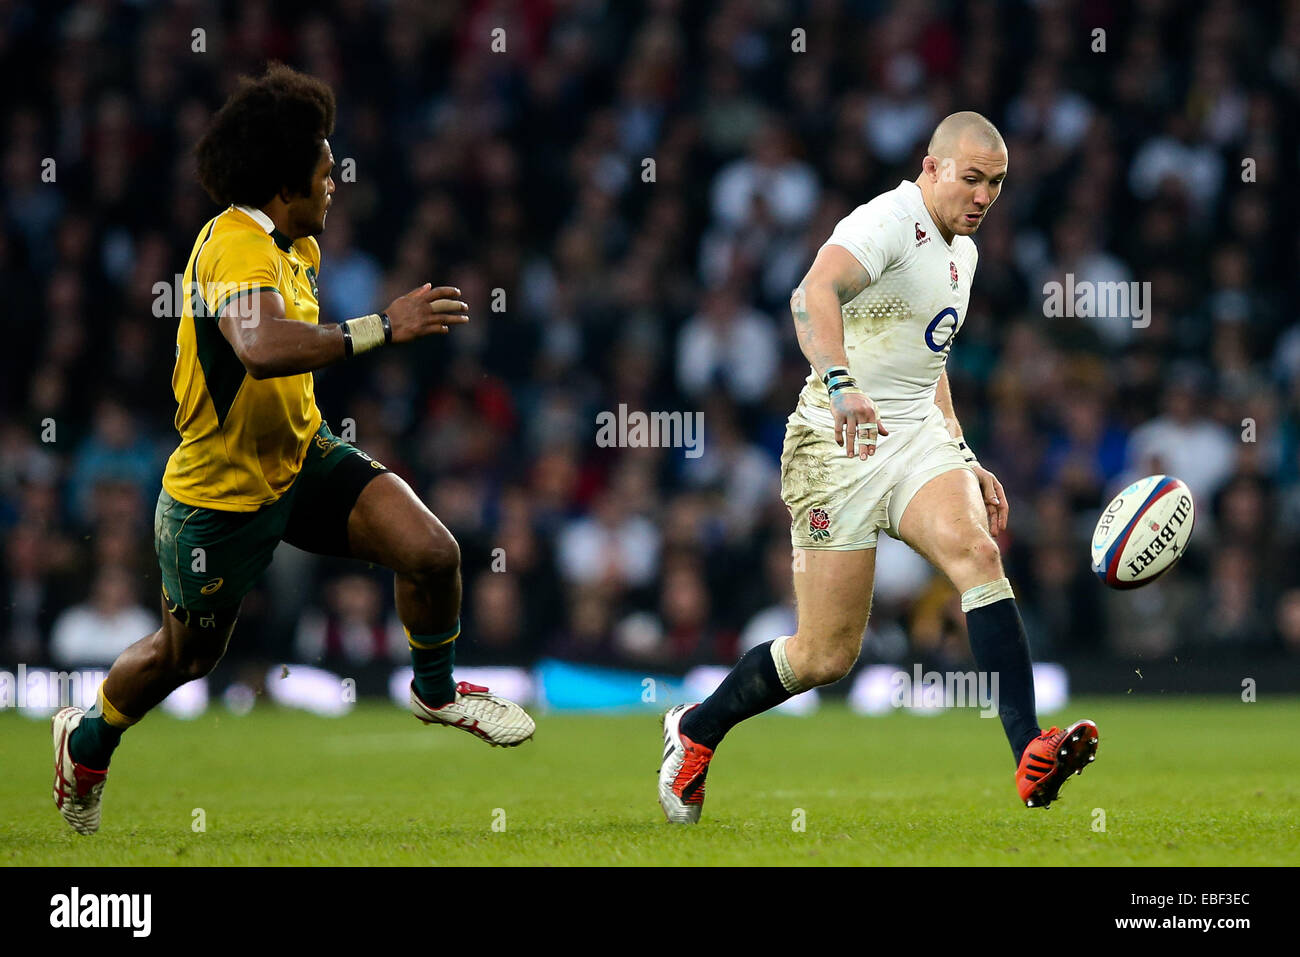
point(1143, 532)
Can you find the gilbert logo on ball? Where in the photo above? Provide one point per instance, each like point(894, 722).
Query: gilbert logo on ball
point(1143, 532)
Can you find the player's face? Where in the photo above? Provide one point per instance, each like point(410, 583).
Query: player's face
point(309, 211)
point(963, 196)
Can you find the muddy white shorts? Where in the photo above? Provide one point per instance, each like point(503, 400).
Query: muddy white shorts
point(838, 502)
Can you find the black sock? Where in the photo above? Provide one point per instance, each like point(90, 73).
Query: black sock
point(999, 644)
point(752, 687)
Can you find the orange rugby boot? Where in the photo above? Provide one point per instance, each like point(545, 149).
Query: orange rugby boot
point(1051, 758)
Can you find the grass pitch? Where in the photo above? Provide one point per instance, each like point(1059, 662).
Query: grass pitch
point(1180, 781)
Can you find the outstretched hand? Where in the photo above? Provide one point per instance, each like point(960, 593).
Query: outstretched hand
point(427, 311)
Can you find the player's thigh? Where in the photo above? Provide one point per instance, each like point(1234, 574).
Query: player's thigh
point(390, 526)
point(335, 482)
point(946, 521)
point(210, 559)
point(833, 597)
point(837, 507)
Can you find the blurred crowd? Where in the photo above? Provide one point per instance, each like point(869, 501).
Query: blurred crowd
point(503, 146)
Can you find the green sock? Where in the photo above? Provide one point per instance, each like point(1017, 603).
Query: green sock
point(433, 657)
point(93, 741)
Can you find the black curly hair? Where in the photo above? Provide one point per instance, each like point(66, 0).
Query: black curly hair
point(266, 137)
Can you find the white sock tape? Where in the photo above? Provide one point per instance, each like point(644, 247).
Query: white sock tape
point(789, 680)
point(986, 594)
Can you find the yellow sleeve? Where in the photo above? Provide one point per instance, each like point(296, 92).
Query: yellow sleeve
point(236, 265)
point(313, 253)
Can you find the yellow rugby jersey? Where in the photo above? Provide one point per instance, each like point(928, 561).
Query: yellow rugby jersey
point(243, 440)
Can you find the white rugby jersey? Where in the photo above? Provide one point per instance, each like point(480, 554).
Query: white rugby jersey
point(897, 331)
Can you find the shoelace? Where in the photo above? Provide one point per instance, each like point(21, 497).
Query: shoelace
point(480, 698)
point(1047, 746)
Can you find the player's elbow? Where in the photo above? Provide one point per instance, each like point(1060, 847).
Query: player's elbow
point(255, 360)
point(256, 369)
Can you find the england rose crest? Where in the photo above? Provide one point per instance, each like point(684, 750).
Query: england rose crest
point(819, 524)
point(952, 273)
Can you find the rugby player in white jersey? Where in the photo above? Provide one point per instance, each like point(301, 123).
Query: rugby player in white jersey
point(874, 444)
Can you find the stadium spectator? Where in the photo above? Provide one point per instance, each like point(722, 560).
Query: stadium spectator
point(1183, 441)
point(353, 629)
point(727, 344)
point(115, 453)
point(96, 632)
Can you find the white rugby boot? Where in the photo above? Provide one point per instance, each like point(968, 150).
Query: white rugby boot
point(683, 770)
point(78, 790)
point(498, 721)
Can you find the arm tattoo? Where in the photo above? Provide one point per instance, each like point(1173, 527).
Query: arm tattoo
point(821, 355)
point(799, 305)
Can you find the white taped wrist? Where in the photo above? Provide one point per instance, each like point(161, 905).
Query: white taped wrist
point(367, 333)
point(789, 680)
point(986, 594)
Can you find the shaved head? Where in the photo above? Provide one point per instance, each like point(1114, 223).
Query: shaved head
point(962, 172)
point(954, 126)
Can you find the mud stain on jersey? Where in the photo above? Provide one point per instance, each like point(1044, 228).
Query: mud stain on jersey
point(874, 316)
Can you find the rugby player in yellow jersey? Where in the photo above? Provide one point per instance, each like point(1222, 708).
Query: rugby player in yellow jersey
point(256, 465)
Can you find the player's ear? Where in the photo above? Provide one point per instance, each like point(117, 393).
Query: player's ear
point(931, 167)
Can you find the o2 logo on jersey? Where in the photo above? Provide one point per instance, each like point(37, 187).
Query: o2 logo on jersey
point(933, 332)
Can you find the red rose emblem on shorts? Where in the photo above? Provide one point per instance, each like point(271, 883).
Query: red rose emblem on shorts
point(819, 524)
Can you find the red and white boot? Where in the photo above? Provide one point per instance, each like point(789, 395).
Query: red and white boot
point(498, 721)
point(683, 770)
point(78, 790)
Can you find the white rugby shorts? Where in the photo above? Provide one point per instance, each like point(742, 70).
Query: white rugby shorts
point(841, 503)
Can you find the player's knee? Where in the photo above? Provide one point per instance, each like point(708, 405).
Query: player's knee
point(972, 555)
point(191, 643)
point(192, 666)
point(985, 557)
point(186, 658)
point(433, 554)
